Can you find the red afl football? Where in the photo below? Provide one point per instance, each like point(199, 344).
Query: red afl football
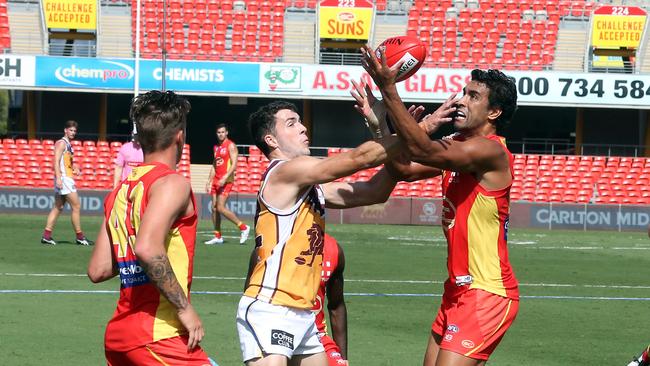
point(404, 48)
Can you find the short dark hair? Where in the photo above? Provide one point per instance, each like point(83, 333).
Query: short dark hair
point(503, 93)
point(262, 122)
point(158, 116)
point(71, 123)
point(220, 125)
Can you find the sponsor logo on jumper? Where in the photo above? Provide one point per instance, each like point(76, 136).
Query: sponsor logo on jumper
point(464, 280)
point(281, 338)
point(132, 274)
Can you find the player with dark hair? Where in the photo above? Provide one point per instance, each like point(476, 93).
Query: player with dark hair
point(274, 319)
point(148, 238)
point(331, 286)
point(65, 189)
point(220, 182)
point(481, 296)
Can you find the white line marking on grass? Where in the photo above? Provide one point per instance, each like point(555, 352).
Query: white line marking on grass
point(360, 280)
point(360, 294)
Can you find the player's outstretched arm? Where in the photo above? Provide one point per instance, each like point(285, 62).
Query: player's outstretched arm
point(59, 148)
point(336, 306)
point(101, 265)
point(289, 179)
point(475, 155)
point(169, 199)
point(344, 195)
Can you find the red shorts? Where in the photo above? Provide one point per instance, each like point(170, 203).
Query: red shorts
point(332, 351)
point(170, 351)
point(474, 323)
point(223, 190)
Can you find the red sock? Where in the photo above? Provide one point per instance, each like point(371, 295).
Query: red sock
point(217, 234)
point(242, 226)
point(80, 235)
point(47, 234)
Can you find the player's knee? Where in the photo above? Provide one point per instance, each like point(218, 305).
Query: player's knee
point(221, 208)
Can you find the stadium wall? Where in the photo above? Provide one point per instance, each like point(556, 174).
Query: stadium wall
point(400, 211)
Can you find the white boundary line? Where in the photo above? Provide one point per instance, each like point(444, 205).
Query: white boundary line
point(361, 294)
point(417, 282)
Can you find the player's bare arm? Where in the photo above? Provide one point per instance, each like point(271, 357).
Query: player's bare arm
point(169, 199)
point(59, 148)
point(290, 178)
point(102, 265)
point(233, 153)
point(210, 177)
point(336, 306)
point(344, 195)
point(477, 154)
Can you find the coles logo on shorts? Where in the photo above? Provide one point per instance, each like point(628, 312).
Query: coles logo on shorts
point(467, 343)
point(281, 338)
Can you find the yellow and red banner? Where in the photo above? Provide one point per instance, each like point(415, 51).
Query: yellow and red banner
point(617, 26)
point(345, 19)
point(70, 14)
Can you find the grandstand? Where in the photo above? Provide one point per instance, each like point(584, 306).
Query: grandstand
point(536, 38)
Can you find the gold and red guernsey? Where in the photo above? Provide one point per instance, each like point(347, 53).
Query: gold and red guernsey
point(330, 263)
point(143, 315)
point(475, 223)
point(222, 159)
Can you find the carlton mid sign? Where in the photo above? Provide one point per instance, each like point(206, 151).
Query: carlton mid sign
point(617, 26)
point(345, 19)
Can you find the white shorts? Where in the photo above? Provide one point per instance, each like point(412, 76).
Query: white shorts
point(67, 186)
point(266, 329)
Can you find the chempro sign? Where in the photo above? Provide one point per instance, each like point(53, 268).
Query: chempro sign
point(617, 26)
point(345, 19)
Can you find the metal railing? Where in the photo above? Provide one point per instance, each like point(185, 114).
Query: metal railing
point(336, 58)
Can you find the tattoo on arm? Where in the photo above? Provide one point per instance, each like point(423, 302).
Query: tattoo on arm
point(160, 272)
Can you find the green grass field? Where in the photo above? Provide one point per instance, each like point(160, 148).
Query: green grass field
point(585, 296)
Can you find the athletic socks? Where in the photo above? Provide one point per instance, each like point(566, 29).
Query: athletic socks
point(47, 234)
point(217, 234)
point(242, 226)
point(81, 236)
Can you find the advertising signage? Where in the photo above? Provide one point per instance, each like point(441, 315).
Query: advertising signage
point(436, 85)
point(119, 74)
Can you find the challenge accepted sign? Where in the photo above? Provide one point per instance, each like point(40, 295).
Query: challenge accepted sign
point(617, 26)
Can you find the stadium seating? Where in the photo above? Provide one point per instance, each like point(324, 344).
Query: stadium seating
point(5, 37)
point(28, 163)
point(227, 30)
point(509, 34)
point(540, 178)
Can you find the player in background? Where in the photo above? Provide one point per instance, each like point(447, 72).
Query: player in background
point(331, 285)
point(64, 187)
point(148, 238)
point(274, 318)
point(481, 296)
point(220, 182)
point(129, 156)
